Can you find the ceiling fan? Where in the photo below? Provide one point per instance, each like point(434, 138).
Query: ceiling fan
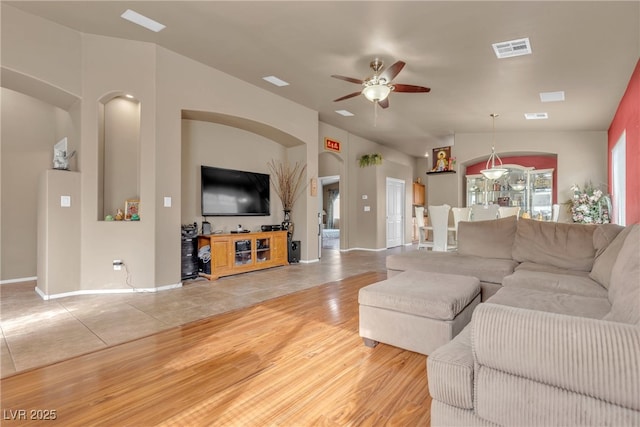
point(378, 87)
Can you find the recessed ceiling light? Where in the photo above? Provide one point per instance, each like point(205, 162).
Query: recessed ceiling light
point(512, 48)
point(552, 96)
point(536, 116)
point(275, 81)
point(129, 96)
point(345, 113)
point(142, 20)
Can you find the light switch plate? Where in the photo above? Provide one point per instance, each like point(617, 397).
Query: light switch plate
point(167, 202)
point(365, 197)
point(65, 201)
point(367, 208)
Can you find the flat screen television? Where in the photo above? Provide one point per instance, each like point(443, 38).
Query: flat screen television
point(228, 192)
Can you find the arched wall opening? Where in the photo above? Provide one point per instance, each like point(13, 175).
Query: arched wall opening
point(230, 142)
point(118, 154)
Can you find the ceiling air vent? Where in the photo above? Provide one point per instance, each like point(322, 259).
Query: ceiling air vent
point(512, 48)
point(536, 116)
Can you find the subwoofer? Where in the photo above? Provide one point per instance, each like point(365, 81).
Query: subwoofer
point(294, 251)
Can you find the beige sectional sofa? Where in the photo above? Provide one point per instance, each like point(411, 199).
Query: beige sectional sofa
point(557, 340)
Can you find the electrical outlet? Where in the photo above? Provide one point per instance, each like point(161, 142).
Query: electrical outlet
point(117, 264)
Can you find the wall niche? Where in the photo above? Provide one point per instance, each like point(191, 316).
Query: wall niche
point(118, 153)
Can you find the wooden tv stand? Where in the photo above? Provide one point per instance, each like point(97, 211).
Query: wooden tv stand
point(242, 252)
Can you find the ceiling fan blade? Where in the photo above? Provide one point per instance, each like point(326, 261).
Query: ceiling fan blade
point(351, 95)
point(391, 72)
point(410, 88)
point(348, 79)
point(384, 103)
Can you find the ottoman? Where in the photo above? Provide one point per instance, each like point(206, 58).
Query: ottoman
point(417, 311)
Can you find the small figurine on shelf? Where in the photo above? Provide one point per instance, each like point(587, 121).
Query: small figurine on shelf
point(119, 215)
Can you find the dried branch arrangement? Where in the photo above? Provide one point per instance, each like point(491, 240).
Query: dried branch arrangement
point(288, 182)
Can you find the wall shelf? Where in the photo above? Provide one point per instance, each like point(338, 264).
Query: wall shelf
point(438, 173)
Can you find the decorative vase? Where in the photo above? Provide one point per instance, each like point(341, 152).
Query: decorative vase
point(287, 224)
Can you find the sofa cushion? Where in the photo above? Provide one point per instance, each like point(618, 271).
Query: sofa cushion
point(552, 302)
point(603, 264)
point(450, 370)
point(532, 266)
point(562, 245)
point(624, 291)
point(488, 239)
point(554, 282)
point(486, 269)
point(603, 235)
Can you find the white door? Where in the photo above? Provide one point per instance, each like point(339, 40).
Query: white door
point(395, 212)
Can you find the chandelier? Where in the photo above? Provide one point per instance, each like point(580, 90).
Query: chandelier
point(493, 172)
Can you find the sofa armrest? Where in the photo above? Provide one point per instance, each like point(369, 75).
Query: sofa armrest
point(591, 357)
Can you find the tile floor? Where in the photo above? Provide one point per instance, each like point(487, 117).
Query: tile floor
point(37, 332)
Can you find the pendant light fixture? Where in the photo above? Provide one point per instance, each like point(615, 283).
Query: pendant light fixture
point(493, 172)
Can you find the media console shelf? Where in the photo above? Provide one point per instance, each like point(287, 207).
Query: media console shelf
point(243, 252)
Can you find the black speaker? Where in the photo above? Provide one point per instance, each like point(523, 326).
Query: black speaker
point(294, 251)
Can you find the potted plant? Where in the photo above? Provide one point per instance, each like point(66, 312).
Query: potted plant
point(370, 159)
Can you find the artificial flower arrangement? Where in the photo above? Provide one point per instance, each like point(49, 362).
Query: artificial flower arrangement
point(590, 205)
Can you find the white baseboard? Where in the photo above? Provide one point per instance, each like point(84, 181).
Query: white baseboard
point(22, 279)
point(363, 249)
point(309, 261)
point(106, 291)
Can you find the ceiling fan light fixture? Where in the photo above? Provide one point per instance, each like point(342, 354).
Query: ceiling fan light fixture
point(376, 93)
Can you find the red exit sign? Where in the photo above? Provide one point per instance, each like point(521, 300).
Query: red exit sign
point(331, 145)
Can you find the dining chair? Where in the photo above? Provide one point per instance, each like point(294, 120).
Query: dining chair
point(422, 229)
point(484, 212)
point(460, 214)
point(439, 216)
point(505, 211)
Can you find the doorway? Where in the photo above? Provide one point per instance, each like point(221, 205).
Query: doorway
point(330, 212)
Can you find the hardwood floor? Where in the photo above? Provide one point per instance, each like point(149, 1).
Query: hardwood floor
point(292, 361)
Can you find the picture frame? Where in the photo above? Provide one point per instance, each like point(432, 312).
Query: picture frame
point(131, 206)
point(441, 158)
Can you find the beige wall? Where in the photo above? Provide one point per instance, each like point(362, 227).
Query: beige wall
point(30, 128)
point(58, 232)
point(120, 155)
point(360, 229)
point(213, 144)
point(41, 49)
point(582, 156)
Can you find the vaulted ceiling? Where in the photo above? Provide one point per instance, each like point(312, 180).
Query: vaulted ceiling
point(586, 49)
